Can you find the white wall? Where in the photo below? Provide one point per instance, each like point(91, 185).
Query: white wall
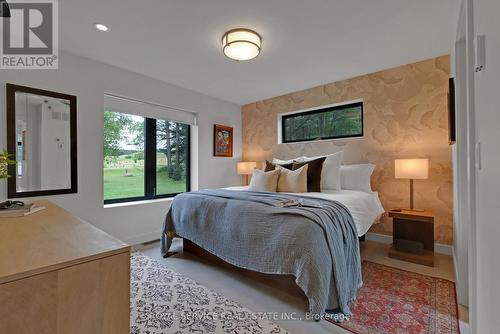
point(461, 187)
point(487, 115)
point(89, 80)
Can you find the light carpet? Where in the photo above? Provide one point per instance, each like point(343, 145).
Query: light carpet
point(163, 301)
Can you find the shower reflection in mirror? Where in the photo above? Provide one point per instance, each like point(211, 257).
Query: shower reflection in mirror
point(42, 138)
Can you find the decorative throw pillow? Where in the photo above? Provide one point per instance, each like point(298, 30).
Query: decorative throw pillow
point(293, 181)
point(357, 177)
point(330, 174)
point(264, 181)
point(314, 169)
point(272, 166)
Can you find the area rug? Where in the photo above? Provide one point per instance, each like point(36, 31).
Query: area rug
point(163, 301)
point(397, 301)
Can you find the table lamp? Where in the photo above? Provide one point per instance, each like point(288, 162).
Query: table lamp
point(246, 168)
point(411, 169)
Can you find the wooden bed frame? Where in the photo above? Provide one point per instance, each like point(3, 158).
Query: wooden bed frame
point(285, 283)
point(192, 248)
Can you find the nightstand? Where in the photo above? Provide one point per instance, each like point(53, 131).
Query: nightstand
point(413, 236)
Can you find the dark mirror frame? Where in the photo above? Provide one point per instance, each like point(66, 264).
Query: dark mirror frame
point(11, 141)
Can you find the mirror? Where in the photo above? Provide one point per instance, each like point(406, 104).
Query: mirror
point(41, 135)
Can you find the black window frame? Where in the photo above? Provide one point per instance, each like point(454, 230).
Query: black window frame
point(319, 111)
point(150, 147)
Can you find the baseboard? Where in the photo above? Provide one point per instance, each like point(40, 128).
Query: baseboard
point(387, 239)
point(464, 327)
point(139, 239)
point(382, 238)
point(443, 249)
point(455, 265)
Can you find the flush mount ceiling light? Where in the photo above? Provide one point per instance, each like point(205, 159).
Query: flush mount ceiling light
point(101, 27)
point(241, 44)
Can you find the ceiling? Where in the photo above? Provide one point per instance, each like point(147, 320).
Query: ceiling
point(305, 43)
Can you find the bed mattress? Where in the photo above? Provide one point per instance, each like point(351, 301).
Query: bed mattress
point(365, 208)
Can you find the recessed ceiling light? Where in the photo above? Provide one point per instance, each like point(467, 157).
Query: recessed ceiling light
point(101, 27)
point(241, 44)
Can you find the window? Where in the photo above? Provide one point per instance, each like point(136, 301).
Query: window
point(144, 158)
point(123, 156)
point(327, 123)
point(172, 146)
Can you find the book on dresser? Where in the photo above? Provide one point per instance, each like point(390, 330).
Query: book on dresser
point(20, 211)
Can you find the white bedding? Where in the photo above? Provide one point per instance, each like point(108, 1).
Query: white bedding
point(365, 207)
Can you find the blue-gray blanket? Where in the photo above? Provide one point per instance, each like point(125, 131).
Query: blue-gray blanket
point(313, 239)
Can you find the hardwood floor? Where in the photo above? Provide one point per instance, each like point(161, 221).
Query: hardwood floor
point(263, 294)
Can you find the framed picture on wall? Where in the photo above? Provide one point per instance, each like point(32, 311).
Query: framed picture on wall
point(223, 141)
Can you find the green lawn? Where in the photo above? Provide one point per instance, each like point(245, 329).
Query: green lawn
point(117, 185)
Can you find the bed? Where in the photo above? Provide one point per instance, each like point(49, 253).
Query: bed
point(365, 207)
point(312, 236)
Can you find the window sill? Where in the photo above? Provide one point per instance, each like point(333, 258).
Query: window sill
point(148, 201)
point(321, 140)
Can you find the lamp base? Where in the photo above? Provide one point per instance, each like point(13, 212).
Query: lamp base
point(411, 199)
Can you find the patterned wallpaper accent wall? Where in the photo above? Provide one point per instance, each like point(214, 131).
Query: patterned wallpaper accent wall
point(405, 116)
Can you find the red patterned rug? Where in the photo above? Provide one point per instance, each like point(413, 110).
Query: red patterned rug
point(397, 301)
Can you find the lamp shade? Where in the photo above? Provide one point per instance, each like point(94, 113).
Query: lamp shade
point(246, 168)
point(411, 168)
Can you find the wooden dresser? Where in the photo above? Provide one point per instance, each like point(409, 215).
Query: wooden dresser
point(60, 275)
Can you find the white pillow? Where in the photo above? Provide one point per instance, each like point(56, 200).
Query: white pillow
point(300, 159)
point(357, 177)
point(264, 181)
point(284, 162)
point(330, 174)
point(293, 181)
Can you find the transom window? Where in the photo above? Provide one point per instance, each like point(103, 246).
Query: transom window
point(333, 122)
point(144, 158)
